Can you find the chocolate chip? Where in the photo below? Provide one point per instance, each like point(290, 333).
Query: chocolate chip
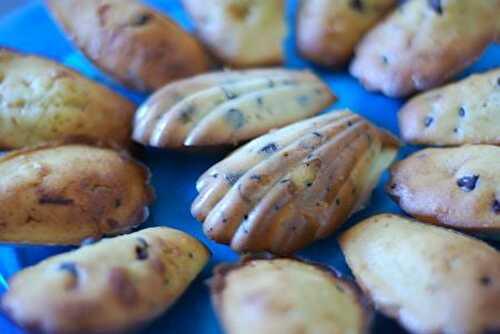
point(317, 134)
point(455, 130)
point(55, 200)
point(69, 267)
point(235, 118)
point(255, 177)
point(385, 60)
point(357, 5)
point(308, 184)
point(141, 19)
point(496, 207)
point(436, 6)
point(141, 250)
point(461, 112)
point(337, 201)
point(428, 121)
point(485, 280)
point(228, 94)
point(118, 203)
point(349, 123)
point(303, 100)
point(232, 178)
point(468, 183)
point(187, 114)
point(260, 101)
point(269, 148)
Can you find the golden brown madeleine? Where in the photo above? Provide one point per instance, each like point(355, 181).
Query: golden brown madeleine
point(294, 185)
point(109, 287)
point(287, 296)
point(242, 33)
point(328, 31)
point(227, 107)
point(43, 101)
point(456, 187)
point(466, 112)
point(138, 46)
point(433, 280)
point(64, 194)
point(424, 43)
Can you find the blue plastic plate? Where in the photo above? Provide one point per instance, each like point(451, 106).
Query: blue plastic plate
point(174, 174)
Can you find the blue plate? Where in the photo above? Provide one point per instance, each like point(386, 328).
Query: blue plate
point(174, 174)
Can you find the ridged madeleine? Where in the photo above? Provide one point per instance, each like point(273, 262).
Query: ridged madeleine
point(225, 108)
point(42, 101)
point(433, 280)
point(135, 44)
point(241, 33)
point(292, 186)
point(457, 187)
point(465, 112)
point(269, 296)
point(64, 194)
point(112, 286)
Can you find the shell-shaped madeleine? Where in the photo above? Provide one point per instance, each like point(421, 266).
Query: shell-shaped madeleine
point(433, 280)
point(241, 33)
point(328, 31)
point(286, 296)
point(42, 101)
point(415, 48)
point(287, 188)
point(228, 107)
point(135, 44)
point(112, 286)
point(456, 187)
point(64, 194)
point(465, 112)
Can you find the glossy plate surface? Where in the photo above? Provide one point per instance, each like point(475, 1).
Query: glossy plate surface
point(30, 29)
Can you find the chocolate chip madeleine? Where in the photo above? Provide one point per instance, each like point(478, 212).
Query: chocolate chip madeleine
point(292, 186)
point(109, 287)
point(286, 296)
point(138, 46)
point(225, 108)
point(466, 112)
point(328, 31)
point(64, 194)
point(431, 279)
point(42, 101)
point(456, 187)
point(424, 43)
point(241, 33)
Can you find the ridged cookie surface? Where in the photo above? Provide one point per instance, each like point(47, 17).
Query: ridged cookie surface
point(225, 108)
point(241, 33)
point(423, 43)
point(466, 112)
point(287, 188)
point(138, 46)
point(109, 287)
point(328, 31)
point(64, 194)
point(433, 280)
point(286, 296)
point(457, 187)
point(42, 101)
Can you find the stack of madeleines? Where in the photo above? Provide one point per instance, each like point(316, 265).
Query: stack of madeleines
point(298, 174)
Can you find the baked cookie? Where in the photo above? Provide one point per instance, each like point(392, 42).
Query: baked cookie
point(292, 186)
point(416, 48)
point(112, 286)
point(456, 187)
point(466, 112)
point(433, 280)
point(328, 31)
point(64, 194)
point(43, 101)
point(136, 45)
point(241, 33)
point(225, 108)
point(249, 298)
